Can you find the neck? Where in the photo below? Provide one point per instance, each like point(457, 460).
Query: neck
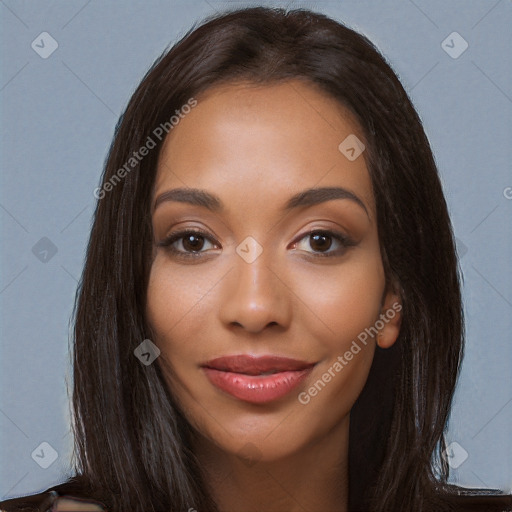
point(315, 478)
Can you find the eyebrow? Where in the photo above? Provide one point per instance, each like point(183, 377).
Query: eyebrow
point(308, 197)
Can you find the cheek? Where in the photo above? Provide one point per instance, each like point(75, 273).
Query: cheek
point(346, 303)
point(333, 388)
point(179, 305)
point(340, 301)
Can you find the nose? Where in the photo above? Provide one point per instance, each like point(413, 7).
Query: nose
point(255, 296)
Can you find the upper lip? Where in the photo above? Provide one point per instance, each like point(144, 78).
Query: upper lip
point(255, 365)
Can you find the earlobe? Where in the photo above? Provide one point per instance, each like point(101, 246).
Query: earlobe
point(390, 320)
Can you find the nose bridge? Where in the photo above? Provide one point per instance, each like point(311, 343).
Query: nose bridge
point(255, 278)
point(255, 296)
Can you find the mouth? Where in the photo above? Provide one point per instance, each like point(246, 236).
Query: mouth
point(256, 379)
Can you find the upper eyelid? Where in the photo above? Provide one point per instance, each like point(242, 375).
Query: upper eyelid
point(177, 235)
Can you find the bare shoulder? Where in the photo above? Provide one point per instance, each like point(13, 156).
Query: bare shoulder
point(50, 503)
point(72, 495)
point(71, 504)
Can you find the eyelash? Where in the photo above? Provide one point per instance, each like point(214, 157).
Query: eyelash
point(344, 241)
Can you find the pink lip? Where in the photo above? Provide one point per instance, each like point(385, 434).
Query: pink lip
point(241, 376)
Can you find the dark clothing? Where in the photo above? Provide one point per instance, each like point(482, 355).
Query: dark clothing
point(458, 499)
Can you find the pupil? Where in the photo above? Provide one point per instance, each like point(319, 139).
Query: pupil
point(193, 242)
point(320, 242)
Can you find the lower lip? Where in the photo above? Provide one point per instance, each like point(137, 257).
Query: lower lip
point(257, 389)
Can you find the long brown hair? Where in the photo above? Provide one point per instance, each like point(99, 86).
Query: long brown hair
point(131, 441)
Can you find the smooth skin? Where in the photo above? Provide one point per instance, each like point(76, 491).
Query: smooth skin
point(306, 298)
point(67, 504)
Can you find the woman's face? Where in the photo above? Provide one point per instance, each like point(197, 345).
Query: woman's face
point(255, 281)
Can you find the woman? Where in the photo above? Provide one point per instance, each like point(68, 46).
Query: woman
point(269, 316)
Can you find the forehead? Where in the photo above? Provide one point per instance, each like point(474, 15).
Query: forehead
point(263, 143)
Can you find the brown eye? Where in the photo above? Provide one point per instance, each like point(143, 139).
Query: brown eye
point(193, 242)
point(188, 243)
point(320, 242)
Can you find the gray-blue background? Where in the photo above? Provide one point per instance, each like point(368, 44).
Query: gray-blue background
point(58, 116)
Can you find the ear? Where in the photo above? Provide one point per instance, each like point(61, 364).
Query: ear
point(390, 316)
